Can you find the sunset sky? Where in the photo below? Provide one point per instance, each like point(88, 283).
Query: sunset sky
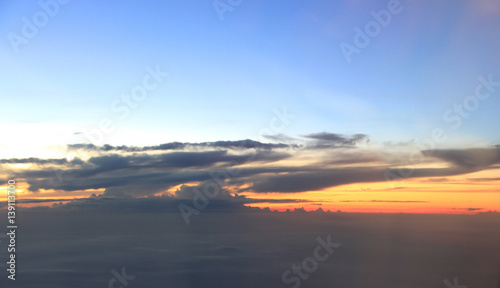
point(248, 143)
point(419, 102)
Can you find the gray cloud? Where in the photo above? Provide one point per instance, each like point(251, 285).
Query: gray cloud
point(443, 179)
point(31, 201)
point(281, 138)
point(483, 179)
point(271, 168)
point(468, 209)
point(468, 158)
point(331, 140)
point(240, 144)
point(33, 160)
point(141, 174)
point(317, 180)
point(224, 202)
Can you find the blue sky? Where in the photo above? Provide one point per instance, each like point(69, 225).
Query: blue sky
point(180, 87)
point(226, 76)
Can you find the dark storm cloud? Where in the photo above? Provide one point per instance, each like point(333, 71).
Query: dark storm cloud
point(468, 158)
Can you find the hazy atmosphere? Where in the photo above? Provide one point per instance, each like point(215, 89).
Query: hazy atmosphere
point(234, 143)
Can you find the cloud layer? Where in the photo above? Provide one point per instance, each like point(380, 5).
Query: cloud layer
point(324, 160)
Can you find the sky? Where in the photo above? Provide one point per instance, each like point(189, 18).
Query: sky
point(194, 111)
point(228, 75)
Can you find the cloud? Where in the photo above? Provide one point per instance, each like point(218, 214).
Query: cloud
point(442, 179)
point(317, 180)
point(31, 201)
point(468, 158)
point(483, 179)
point(141, 174)
point(40, 161)
point(182, 159)
point(240, 144)
point(331, 140)
point(223, 202)
point(392, 144)
point(468, 209)
point(141, 171)
point(280, 138)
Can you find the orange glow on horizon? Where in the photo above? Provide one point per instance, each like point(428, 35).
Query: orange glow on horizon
point(462, 194)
